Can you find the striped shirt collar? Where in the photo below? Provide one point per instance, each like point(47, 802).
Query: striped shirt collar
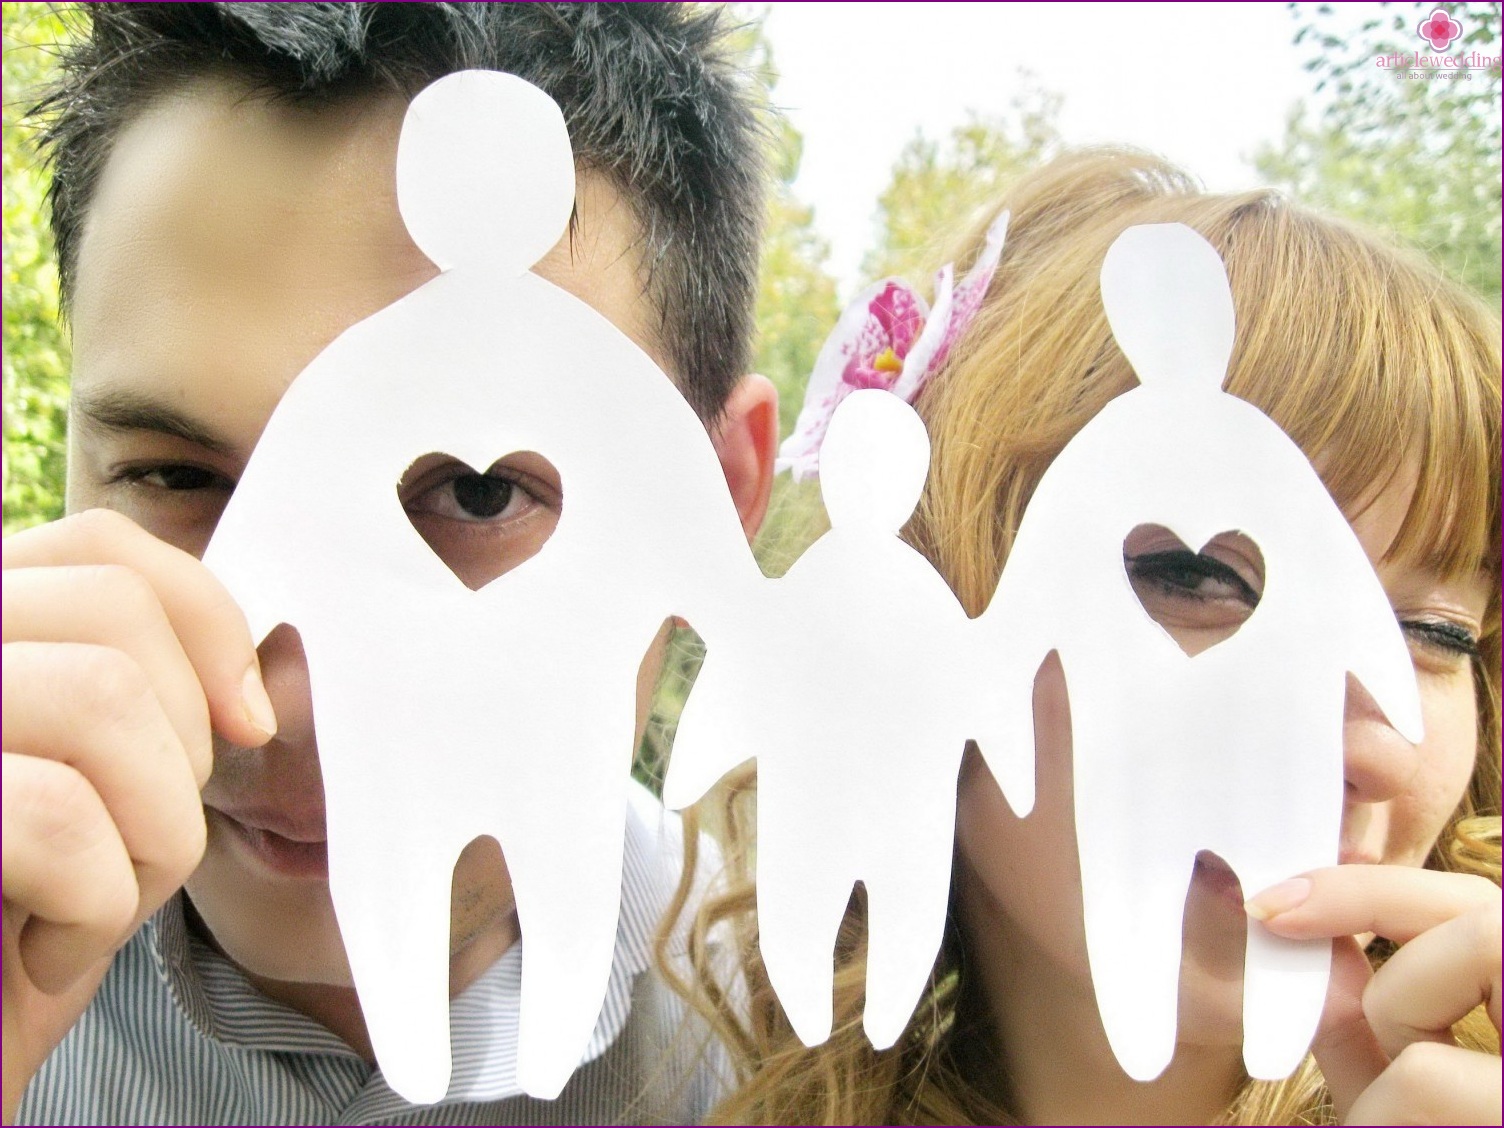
point(218, 1001)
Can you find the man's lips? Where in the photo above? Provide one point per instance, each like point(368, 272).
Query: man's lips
point(288, 847)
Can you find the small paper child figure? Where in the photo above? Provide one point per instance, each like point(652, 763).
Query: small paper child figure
point(443, 713)
point(1237, 750)
point(853, 681)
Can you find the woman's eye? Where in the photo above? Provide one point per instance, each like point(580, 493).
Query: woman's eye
point(1440, 637)
point(473, 497)
point(1197, 599)
point(1190, 576)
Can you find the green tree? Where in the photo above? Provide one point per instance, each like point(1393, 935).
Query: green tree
point(938, 186)
point(36, 354)
point(1413, 150)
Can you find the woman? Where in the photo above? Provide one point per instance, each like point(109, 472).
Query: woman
point(1388, 377)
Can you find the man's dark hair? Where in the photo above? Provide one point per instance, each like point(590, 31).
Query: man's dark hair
point(652, 100)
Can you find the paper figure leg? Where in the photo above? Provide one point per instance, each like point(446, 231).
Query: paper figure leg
point(1285, 981)
point(905, 924)
point(800, 902)
point(399, 958)
point(713, 736)
point(568, 891)
point(1133, 939)
point(1284, 991)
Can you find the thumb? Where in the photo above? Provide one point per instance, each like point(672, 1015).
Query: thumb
point(1345, 1048)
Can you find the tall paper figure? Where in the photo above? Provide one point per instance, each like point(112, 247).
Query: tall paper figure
point(855, 682)
point(1237, 750)
point(443, 713)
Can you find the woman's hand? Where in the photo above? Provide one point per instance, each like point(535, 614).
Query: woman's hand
point(1385, 1044)
point(120, 654)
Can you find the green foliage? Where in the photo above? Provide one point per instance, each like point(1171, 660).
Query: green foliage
point(36, 349)
point(938, 187)
point(1404, 149)
point(796, 296)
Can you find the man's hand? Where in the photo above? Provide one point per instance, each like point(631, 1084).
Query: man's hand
point(121, 653)
point(1385, 1044)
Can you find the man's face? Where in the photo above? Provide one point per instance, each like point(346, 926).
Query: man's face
point(231, 239)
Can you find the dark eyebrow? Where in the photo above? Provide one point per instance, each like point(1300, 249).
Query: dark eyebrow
point(120, 410)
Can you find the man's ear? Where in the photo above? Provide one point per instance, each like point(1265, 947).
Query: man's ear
point(746, 441)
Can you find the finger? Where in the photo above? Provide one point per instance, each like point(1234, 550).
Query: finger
point(65, 864)
point(1435, 980)
point(1345, 1048)
point(1398, 902)
point(114, 607)
point(103, 721)
point(1433, 1084)
point(210, 627)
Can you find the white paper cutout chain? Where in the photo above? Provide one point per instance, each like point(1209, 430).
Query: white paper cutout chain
point(444, 714)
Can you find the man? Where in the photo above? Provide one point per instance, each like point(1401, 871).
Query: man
point(224, 207)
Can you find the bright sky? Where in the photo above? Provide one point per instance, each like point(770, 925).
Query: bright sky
point(1201, 83)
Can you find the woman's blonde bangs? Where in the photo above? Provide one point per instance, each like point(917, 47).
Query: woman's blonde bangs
point(1378, 369)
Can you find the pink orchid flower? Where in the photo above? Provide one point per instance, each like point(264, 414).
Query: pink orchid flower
point(887, 338)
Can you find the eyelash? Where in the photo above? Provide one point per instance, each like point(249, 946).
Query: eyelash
point(1169, 570)
point(1442, 636)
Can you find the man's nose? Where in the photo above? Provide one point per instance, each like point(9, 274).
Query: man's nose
point(1377, 762)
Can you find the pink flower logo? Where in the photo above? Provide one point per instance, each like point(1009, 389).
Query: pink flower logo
point(1439, 29)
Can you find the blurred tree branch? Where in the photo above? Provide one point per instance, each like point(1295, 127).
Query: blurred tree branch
point(1414, 150)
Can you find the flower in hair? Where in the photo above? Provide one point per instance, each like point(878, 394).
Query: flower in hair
point(887, 338)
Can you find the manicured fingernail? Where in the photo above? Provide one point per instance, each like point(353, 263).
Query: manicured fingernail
point(1278, 899)
point(257, 705)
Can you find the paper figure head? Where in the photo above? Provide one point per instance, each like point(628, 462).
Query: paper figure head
point(873, 461)
point(1166, 295)
point(488, 206)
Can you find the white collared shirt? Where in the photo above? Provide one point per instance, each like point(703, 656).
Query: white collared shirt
point(177, 1035)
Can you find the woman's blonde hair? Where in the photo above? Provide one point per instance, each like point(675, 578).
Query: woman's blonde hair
point(1378, 367)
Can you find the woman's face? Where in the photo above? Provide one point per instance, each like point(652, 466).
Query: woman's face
point(1398, 796)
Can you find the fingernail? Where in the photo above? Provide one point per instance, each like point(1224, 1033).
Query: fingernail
point(257, 705)
point(1278, 899)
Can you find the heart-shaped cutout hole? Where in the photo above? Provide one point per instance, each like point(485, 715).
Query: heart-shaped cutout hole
point(482, 524)
point(1199, 598)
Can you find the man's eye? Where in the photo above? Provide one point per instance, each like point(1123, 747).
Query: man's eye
point(472, 497)
point(175, 476)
